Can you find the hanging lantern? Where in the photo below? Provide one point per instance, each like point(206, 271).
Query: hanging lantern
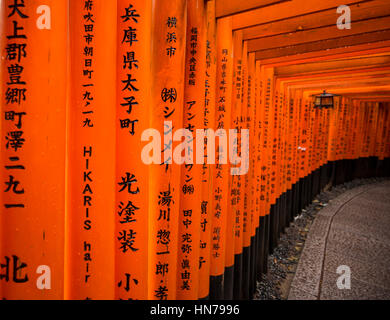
point(324, 100)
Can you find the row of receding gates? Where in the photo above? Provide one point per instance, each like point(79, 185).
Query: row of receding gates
point(83, 217)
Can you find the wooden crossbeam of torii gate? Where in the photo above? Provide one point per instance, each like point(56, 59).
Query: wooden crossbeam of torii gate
point(316, 20)
point(284, 10)
point(326, 33)
point(336, 53)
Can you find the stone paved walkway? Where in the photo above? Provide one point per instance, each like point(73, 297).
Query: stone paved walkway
point(354, 231)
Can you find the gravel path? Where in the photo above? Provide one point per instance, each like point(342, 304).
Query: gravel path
point(282, 264)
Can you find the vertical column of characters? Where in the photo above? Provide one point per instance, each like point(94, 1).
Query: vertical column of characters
point(362, 119)
point(350, 129)
point(208, 167)
point(321, 138)
point(243, 153)
point(283, 156)
point(288, 124)
point(320, 144)
point(374, 128)
point(313, 140)
point(133, 109)
point(294, 146)
point(257, 123)
point(291, 138)
point(286, 133)
point(340, 129)
point(191, 224)
point(357, 145)
point(243, 181)
point(221, 179)
point(324, 136)
point(281, 139)
point(274, 116)
point(234, 219)
point(342, 123)
point(258, 134)
point(346, 127)
point(33, 99)
point(15, 261)
point(307, 138)
point(367, 129)
point(15, 102)
point(354, 142)
point(269, 116)
point(302, 128)
point(298, 132)
point(290, 165)
point(385, 132)
point(2, 79)
point(251, 219)
point(260, 246)
point(387, 145)
point(332, 130)
point(90, 257)
point(336, 123)
point(317, 135)
point(353, 129)
point(168, 69)
point(360, 128)
point(263, 136)
point(269, 123)
point(378, 137)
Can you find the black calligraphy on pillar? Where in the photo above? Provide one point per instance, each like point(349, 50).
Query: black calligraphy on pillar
point(171, 36)
point(88, 64)
point(15, 99)
point(130, 63)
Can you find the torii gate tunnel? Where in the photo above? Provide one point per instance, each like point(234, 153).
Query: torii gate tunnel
point(157, 149)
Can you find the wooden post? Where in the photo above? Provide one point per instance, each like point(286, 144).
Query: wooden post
point(32, 151)
point(222, 121)
point(208, 172)
point(90, 220)
point(133, 110)
point(191, 224)
point(168, 69)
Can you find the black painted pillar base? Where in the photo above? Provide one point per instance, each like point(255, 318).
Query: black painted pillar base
point(237, 274)
point(271, 228)
point(228, 283)
point(217, 287)
point(266, 243)
point(247, 278)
